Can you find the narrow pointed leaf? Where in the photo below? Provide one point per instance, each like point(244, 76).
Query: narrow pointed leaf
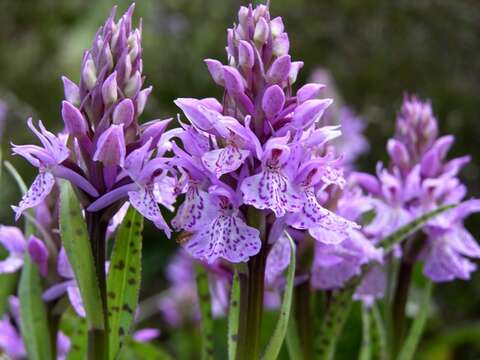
point(141, 351)
point(75, 328)
point(379, 335)
point(292, 340)
point(124, 278)
point(417, 327)
point(366, 346)
point(204, 301)
point(275, 344)
point(341, 300)
point(233, 315)
point(76, 241)
point(33, 314)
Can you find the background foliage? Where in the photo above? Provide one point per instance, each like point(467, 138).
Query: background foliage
point(375, 49)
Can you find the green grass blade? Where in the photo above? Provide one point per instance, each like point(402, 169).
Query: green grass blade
point(16, 176)
point(341, 301)
point(366, 346)
point(124, 279)
point(275, 344)
point(379, 335)
point(33, 314)
point(76, 241)
point(292, 340)
point(233, 316)
point(205, 304)
point(417, 327)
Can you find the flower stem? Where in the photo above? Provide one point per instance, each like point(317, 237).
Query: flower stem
point(304, 318)
point(98, 338)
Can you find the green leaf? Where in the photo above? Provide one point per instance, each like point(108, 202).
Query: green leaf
point(379, 335)
point(141, 351)
point(8, 285)
point(124, 279)
point(366, 346)
point(77, 246)
point(418, 325)
point(33, 314)
point(233, 316)
point(342, 299)
point(292, 340)
point(204, 300)
point(275, 344)
point(75, 328)
point(16, 176)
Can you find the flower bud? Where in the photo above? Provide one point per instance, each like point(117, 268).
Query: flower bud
point(234, 81)
point(71, 90)
point(367, 181)
point(243, 15)
point(197, 113)
point(215, 68)
point(398, 154)
point(109, 89)
point(261, 32)
point(89, 73)
point(281, 45)
point(153, 130)
point(279, 70)
point(308, 91)
point(230, 42)
point(273, 100)
point(246, 57)
point(75, 123)
point(276, 26)
point(39, 254)
point(141, 99)
point(132, 86)
point(123, 113)
point(309, 112)
point(294, 69)
point(260, 11)
point(111, 147)
point(134, 47)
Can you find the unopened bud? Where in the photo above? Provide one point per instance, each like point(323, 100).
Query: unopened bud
point(246, 57)
point(281, 45)
point(75, 123)
point(261, 32)
point(215, 68)
point(89, 73)
point(141, 99)
point(111, 147)
point(279, 70)
point(133, 85)
point(276, 26)
point(273, 100)
point(71, 90)
point(109, 89)
point(123, 113)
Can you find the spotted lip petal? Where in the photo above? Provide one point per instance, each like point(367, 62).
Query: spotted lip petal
point(144, 201)
point(195, 212)
point(224, 161)
point(314, 215)
point(227, 237)
point(271, 190)
point(38, 191)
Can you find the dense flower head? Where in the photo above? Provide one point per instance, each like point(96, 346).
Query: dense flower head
point(420, 179)
point(104, 151)
point(256, 148)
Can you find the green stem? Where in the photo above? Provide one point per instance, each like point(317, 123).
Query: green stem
point(98, 338)
point(304, 318)
point(399, 304)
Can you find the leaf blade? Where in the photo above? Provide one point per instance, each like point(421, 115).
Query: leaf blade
point(233, 316)
point(124, 279)
point(275, 343)
point(204, 300)
point(76, 242)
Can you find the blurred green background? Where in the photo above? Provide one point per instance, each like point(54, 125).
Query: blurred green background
point(375, 49)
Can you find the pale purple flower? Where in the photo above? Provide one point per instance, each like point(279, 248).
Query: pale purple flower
point(146, 335)
point(13, 241)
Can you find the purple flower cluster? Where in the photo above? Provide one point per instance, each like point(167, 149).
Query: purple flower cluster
point(104, 152)
point(420, 179)
point(254, 149)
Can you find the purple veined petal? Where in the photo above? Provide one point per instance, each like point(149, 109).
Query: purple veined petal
point(227, 237)
point(197, 113)
point(335, 276)
point(146, 335)
point(124, 113)
point(38, 191)
point(164, 191)
point(412, 184)
point(314, 215)
point(64, 268)
point(279, 69)
point(75, 178)
point(154, 130)
point(273, 100)
point(308, 92)
point(145, 203)
point(76, 300)
point(111, 146)
point(71, 90)
point(281, 45)
point(369, 182)
point(246, 57)
point(278, 259)
point(309, 112)
point(54, 146)
point(34, 154)
point(251, 140)
point(372, 287)
point(212, 104)
point(463, 242)
point(327, 236)
point(111, 197)
point(196, 211)
point(10, 340)
point(332, 176)
point(135, 161)
point(75, 123)
point(271, 190)
point(224, 161)
point(234, 81)
point(466, 208)
point(323, 135)
point(57, 290)
point(215, 68)
point(39, 254)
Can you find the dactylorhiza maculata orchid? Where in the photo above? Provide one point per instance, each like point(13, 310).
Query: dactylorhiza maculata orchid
point(248, 164)
point(105, 152)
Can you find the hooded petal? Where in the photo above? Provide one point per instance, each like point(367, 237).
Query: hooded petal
point(38, 191)
point(271, 190)
point(227, 237)
point(76, 300)
point(224, 161)
point(144, 201)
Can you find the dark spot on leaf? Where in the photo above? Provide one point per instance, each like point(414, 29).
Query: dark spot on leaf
point(128, 224)
point(131, 281)
point(120, 265)
point(234, 337)
point(121, 332)
point(79, 232)
point(131, 269)
point(127, 308)
point(76, 347)
point(234, 303)
point(111, 295)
